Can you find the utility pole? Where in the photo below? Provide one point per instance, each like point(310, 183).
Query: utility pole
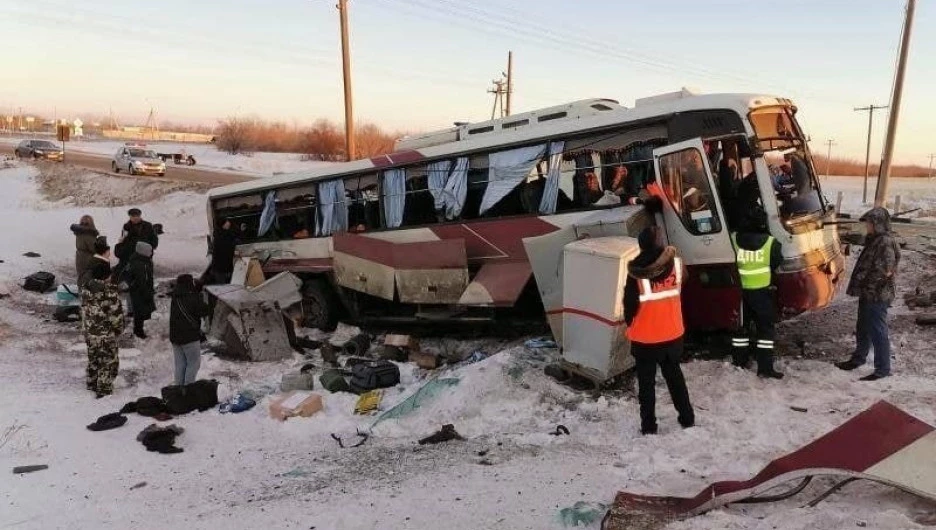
point(509, 81)
point(499, 90)
point(828, 164)
point(346, 67)
point(880, 196)
point(931, 157)
point(870, 109)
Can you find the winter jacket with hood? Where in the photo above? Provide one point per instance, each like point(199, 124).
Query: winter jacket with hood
point(187, 309)
point(755, 241)
point(139, 279)
point(873, 278)
point(650, 264)
point(133, 233)
point(84, 247)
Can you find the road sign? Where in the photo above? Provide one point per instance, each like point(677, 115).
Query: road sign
point(63, 132)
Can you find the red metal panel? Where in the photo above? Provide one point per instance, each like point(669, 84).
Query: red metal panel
point(852, 448)
point(443, 254)
point(371, 249)
point(809, 289)
point(298, 265)
point(504, 282)
point(496, 238)
point(406, 157)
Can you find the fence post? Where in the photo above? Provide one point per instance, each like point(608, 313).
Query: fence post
point(838, 203)
point(897, 205)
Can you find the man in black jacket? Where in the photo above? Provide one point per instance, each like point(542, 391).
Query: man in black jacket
point(136, 229)
point(185, 315)
point(223, 246)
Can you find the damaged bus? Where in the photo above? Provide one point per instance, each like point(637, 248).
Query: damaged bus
point(468, 223)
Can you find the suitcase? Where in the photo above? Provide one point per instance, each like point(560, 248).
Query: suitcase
point(375, 374)
point(40, 282)
point(334, 381)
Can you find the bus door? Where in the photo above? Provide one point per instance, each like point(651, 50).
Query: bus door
point(694, 219)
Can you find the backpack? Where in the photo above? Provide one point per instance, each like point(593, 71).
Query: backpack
point(39, 282)
point(375, 374)
point(334, 380)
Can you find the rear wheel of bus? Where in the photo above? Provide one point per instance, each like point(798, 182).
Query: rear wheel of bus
point(319, 305)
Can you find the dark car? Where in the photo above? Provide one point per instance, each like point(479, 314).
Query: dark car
point(39, 150)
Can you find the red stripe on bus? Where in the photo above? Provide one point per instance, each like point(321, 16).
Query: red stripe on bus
point(586, 314)
point(405, 157)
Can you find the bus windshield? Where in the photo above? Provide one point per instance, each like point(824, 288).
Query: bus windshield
point(795, 184)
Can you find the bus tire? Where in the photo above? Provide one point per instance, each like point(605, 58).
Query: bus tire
point(319, 305)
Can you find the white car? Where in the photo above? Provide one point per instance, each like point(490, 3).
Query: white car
point(138, 160)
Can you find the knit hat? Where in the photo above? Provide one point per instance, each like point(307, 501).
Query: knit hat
point(100, 245)
point(134, 212)
point(649, 238)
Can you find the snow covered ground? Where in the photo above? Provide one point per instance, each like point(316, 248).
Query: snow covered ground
point(248, 471)
point(207, 156)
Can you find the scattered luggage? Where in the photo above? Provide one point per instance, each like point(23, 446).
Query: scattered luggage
point(372, 375)
point(334, 380)
point(200, 395)
point(368, 402)
point(357, 346)
point(303, 380)
point(239, 403)
point(68, 303)
point(40, 282)
point(295, 404)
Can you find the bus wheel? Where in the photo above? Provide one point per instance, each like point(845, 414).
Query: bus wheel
point(319, 307)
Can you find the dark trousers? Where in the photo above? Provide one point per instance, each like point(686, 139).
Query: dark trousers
point(666, 355)
point(756, 336)
point(871, 329)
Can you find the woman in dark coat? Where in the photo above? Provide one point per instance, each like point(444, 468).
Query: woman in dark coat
point(85, 235)
point(138, 278)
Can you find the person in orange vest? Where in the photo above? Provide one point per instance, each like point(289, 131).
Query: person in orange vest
point(653, 313)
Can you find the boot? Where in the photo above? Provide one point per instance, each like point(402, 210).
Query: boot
point(848, 365)
point(769, 374)
point(138, 332)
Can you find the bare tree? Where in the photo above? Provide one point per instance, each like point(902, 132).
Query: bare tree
point(234, 135)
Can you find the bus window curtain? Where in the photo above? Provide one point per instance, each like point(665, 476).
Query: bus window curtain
point(551, 191)
point(506, 170)
point(268, 216)
point(438, 177)
point(394, 196)
point(333, 209)
point(456, 189)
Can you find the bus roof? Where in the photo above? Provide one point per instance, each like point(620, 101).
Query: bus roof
point(581, 116)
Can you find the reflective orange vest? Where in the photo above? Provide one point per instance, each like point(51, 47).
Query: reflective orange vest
point(659, 317)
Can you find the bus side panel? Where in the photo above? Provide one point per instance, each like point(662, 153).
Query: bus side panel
point(811, 288)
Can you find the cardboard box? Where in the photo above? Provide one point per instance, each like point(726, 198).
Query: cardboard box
point(405, 342)
point(425, 360)
point(291, 404)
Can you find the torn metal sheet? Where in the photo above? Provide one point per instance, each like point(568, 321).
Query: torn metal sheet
point(883, 444)
point(497, 284)
point(431, 272)
point(364, 264)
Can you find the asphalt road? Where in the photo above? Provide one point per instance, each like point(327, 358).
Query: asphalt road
point(173, 172)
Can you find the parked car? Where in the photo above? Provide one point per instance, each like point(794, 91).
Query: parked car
point(138, 160)
point(39, 150)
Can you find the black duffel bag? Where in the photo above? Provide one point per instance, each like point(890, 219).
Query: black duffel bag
point(40, 282)
point(367, 376)
point(200, 395)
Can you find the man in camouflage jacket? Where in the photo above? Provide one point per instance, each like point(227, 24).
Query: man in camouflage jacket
point(873, 281)
point(103, 321)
